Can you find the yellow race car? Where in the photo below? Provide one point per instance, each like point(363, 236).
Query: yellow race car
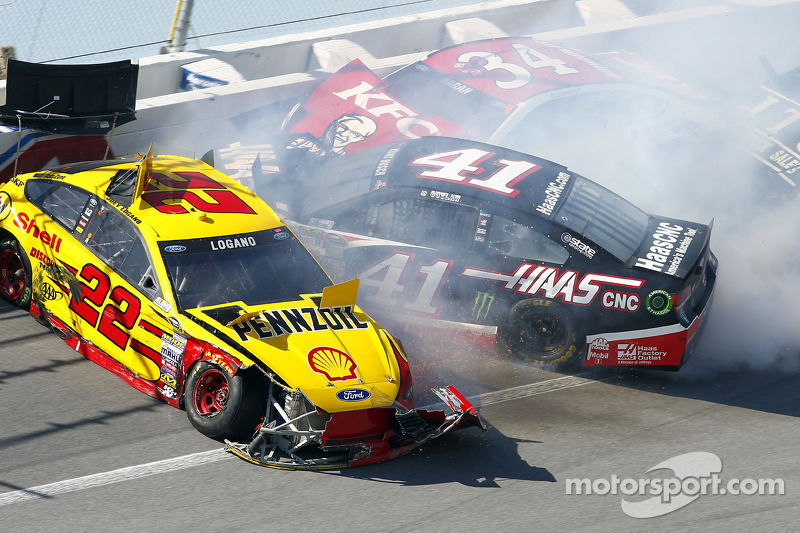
point(189, 287)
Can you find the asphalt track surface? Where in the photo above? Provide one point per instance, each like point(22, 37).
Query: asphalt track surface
point(82, 451)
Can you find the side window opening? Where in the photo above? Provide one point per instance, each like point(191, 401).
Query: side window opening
point(510, 238)
point(60, 201)
point(423, 222)
point(103, 229)
point(117, 242)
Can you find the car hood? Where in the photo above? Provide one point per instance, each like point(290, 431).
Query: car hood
point(337, 356)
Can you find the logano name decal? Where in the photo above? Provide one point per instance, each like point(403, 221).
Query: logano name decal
point(536, 279)
point(230, 244)
point(283, 321)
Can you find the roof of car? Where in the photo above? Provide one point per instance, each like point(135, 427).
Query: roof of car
point(528, 67)
point(184, 198)
point(430, 167)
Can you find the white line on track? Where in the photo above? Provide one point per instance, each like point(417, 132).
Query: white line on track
point(523, 391)
point(197, 459)
point(114, 476)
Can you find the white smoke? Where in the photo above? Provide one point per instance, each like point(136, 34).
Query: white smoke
point(754, 322)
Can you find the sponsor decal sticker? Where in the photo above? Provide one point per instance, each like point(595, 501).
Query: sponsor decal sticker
point(449, 197)
point(632, 353)
point(383, 164)
point(168, 380)
point(172, 348)
point(669, 245)
point(275, 323)
point(335, 239)
point(239, 242)
point(482, 306)
point(332, 363)
point(5, 205)
point(353, 395)
point(620, 300)
point(598, 349)
point(578, 245)
point(27, 224)
point(175, 248)
point(321, 223)
point(41, 256)
point(659, 302)
point(551, 283)
point(49, 292)
point(163, 304)
point(124, 210)
point(552, 193)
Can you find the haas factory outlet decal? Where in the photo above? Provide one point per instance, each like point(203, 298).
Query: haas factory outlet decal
point(634, 352)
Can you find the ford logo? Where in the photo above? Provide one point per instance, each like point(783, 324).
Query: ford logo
point(175, 248)
point(280, 236)
point(352, 395)
point(335, 239)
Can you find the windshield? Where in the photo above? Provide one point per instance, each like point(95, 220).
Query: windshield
point(604, 217)
point(254, 268)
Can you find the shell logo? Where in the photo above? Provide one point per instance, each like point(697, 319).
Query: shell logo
point(332, 363)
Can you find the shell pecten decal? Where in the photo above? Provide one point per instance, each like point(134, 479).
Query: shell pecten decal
point(334, 364)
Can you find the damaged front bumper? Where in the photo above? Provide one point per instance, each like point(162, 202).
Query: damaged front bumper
point(352, 438)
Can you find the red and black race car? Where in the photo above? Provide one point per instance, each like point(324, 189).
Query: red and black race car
point(520, 93)
point(475, 242)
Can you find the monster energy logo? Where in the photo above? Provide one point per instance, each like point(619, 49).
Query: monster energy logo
point(482, 306)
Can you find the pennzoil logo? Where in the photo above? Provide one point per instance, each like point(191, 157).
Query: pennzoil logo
point(305, 319)
point(334, 364)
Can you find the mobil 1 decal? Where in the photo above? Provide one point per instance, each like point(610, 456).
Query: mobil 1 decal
point(671, 246)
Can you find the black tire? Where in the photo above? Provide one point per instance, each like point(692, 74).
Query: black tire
point(15, 274)
point(541, 331)
point(224, 406)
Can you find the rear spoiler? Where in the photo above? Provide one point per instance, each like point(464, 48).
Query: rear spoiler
point(671, 246)
point(70, 99)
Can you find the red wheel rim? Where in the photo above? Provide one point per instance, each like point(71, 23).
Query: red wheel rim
point(13, 280)
point(211, 392)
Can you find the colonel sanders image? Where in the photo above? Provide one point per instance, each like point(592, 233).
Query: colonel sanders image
point(345, 130)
